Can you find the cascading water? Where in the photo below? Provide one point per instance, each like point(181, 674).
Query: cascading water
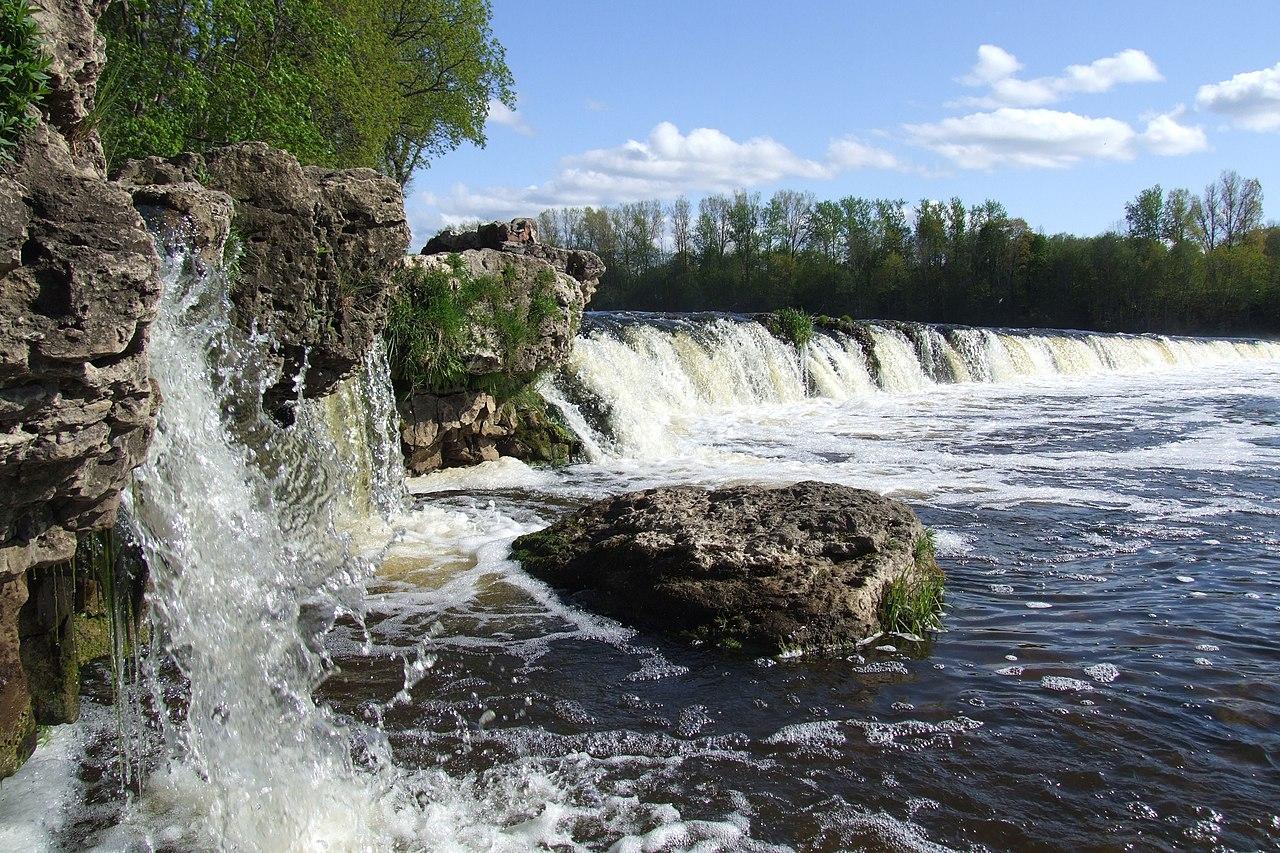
point(633, 381)
point(243, 554)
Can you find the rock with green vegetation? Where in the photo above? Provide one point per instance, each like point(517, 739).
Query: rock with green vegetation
point(802, 568)
point(470, 330)
point(791, 325)
point(318, 252)
point(465, 316)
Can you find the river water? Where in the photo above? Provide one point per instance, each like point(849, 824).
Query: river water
point(1107, 510)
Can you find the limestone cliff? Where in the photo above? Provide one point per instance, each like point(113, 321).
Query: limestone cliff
point(78, 288)
point(79, 284)
point(541, 289)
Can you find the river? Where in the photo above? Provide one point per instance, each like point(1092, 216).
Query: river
point(1107, 511)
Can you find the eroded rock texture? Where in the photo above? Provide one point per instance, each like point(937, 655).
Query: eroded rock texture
point(798, 568)
point(318, 250)
point(78, 289)
point(449, 427)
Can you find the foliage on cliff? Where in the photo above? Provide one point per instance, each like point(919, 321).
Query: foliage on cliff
point(436, 312)
point(23, 82)
point(381, 83)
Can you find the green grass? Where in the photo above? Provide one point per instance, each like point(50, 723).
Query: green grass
point(24, 82)
point(792, 325)
point(912, 603)
point(436, 312)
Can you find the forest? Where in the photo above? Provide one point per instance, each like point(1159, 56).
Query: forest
point(1181, 263)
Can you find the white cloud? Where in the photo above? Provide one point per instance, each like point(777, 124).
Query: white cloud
point(663, 165)
point(1250, 100)
point(1166, 136)
point(1024, 137)
point(500, 113)
point(849, 153)
point(597, 106)
point(994, 63)
point(996, 68)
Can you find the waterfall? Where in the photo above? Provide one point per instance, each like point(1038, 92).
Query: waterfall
point(635, 382)
point(237, 517)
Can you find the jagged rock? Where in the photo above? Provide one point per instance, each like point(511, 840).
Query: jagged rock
point(78, 289)
point(469, 427)
point(449, 431)
point(803, 567)
point(319, 250)
point(77, 55)
point(525, 279)
point(520, 236)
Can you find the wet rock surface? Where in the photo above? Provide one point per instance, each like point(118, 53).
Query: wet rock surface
point(316, 252)
point(470, 427)
point(798, 568)
point(78, 290)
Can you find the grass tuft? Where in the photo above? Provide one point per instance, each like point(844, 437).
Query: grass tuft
point(912, 603)
point(24, 81)
point(792, 325)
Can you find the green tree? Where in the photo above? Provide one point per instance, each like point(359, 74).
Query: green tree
point(382, 83)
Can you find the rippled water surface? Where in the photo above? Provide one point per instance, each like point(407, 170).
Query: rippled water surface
point(1107, 676)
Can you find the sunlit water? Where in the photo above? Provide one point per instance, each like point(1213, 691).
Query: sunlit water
point(1108, 513)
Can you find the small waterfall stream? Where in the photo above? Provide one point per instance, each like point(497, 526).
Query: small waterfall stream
point(238, 518)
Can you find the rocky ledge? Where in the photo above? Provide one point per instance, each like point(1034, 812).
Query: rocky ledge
point(542, 289)
point(803, 568)
point(317, 251)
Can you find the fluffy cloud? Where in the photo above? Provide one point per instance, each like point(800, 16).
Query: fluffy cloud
point(1166, 136)
point(996, 67)
point(500, 113)
point(1024, 137)
point(663, 165)
point(994, 63)
point(1250, 100)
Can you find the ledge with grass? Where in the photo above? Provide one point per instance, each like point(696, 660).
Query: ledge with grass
point(477, 320)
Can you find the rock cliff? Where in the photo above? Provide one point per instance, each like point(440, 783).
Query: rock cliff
point(317, 252)
point(78, 289)
point(541, 289)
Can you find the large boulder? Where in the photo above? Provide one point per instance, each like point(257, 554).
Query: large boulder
point(319, 250)
point(795, 569)
point(544, 288)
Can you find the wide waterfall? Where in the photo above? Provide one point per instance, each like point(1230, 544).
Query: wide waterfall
point(632, 374)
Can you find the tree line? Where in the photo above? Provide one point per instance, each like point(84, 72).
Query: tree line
point(382, 83)
point(1182, 263)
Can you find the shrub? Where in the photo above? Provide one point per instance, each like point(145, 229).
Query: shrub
point(23, 81)
point(792, 325)
point(912, 603)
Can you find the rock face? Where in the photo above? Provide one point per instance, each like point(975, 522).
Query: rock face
point(78, 289)
point(318, 252)
point(799, 568)
point(446, 427)
point(469, 427)
point(520, 236)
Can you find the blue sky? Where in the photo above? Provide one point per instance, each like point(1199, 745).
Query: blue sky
point(1062, 112)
